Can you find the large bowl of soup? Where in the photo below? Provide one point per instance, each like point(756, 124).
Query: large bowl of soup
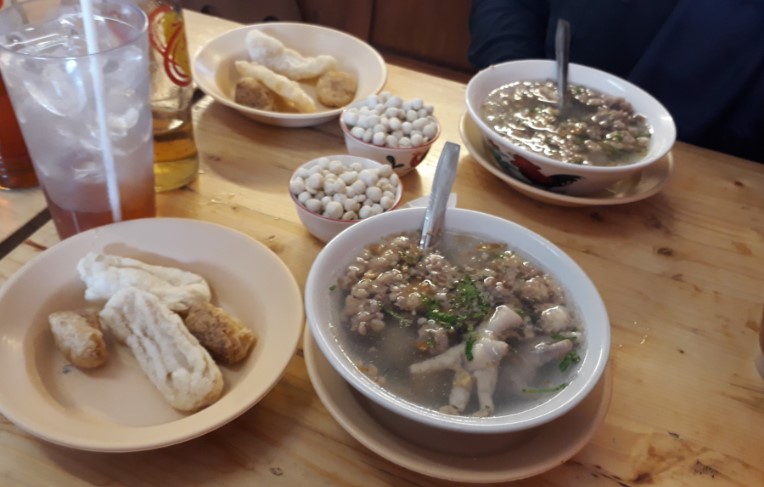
point(609, 130)
point(494, 329)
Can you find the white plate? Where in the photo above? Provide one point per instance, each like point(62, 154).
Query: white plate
point(645, 184)
point(502, 457)
point(214, 71)
point(115, 407)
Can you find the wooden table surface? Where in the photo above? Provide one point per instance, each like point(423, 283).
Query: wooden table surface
point(680, 274)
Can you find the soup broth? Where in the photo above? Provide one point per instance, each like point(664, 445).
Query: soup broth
point(596, 129)
point(430, 326)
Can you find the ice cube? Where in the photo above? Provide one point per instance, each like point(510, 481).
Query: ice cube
point(121, 123)
point(121, 72)
point(60, 88)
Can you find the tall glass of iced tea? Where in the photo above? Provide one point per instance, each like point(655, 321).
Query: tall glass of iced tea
point(86, 117)
point(16, 169)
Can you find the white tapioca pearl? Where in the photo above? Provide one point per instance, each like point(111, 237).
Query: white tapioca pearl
point(364, 212)
point(430, 130)
point(374, 194)
point(367, 135)
point(417, 140)
point(391, 141)
point(323, 162)
point(350, 118)
point(358, 187)
point(314, 205)
point(303, 197)
point(297, 185)
point(419, 123)
point(386, 202)
point(336, 167)
point(369, 177)
point(378, 138)
point(394, 101)
point(348, 177)
point(406, 128)
point(357, 132)
point(350, 215)
point(315, 181)
point(333, 210)
point(404, 142)
point(386, 171)
point(350, 204)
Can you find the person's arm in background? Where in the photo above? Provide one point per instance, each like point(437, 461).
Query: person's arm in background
point(503, 30)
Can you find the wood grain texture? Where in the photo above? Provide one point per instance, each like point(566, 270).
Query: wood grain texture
point(435, 31)
point(351, 16)
point(17, 207)
point(680, 274)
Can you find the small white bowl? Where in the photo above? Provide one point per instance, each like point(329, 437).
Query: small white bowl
point(402, 159)
point(214, 71)
point(544, 172)
point(323, 318)
point(325, 228)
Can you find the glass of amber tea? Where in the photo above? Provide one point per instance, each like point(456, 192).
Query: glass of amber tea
point(16, 169)
point(83, 105)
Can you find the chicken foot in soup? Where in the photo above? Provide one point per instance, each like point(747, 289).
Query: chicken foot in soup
point(477, 365)
point(525, 365)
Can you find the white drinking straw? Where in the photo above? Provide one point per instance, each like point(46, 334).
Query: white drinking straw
point(112, 187)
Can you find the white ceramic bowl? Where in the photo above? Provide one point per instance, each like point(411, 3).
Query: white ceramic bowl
point(334, 258)
point(214, 71)
point(547, 173)
point(402, 159)
point(325, 228)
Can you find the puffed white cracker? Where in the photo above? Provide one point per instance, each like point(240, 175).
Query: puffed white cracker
point(283, 86)
point(271, 53)
point(104, 275)
point(172, 358)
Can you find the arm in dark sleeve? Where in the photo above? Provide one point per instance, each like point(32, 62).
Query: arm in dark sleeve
point(504, 30)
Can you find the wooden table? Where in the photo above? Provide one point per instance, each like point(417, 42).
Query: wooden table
point(20, 211)
point(680, 273)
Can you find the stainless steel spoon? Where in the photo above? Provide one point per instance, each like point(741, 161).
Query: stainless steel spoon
point(562, 55)
point(445, 173)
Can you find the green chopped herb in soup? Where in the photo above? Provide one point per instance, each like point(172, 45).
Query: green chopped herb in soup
point(597, 129)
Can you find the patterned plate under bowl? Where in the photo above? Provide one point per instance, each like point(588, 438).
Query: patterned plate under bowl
point(643, 185)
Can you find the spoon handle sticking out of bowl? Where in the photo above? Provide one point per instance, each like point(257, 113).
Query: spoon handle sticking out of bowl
point(562, 54)
point(445, 173)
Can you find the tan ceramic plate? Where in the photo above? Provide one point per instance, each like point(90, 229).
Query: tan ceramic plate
point(647, 183)
point(214, 71)
point(116, 408)
point(458, 457)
